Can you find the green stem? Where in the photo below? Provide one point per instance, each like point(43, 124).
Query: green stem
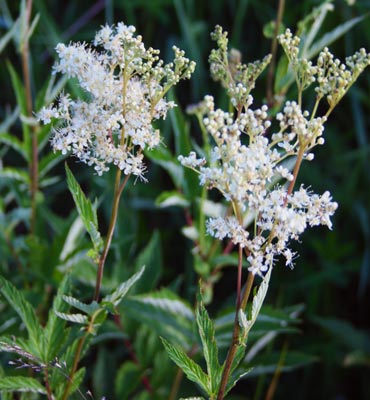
point(76, 360)
point(235, 343)
point(33, 168)
point(295, 171)
point(272, 66)
point(178, 378)
point(273, 384)
point(247, 291)
point(118, 188)
point(299, 96)
point(176, 384)
point(47, 384)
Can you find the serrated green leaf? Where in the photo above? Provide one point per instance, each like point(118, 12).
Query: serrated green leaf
point(43, 136)
point(284, 75)
point(88, 309)
point(21, 101)
point(47, 162)
point(9, 35)
point(16, 174)
point(224, 260)
point(32, 28)
point(210, 351)
point(9, 119)
point(21, 384)
point(63, 369)
point(116, 297)
point(76, 318)
point(191, 369)
point(269, 29)
point(266, 363)
point(127, 380)
point(71, 241)
point(151, 257)
point(311, 24)
point(234, 377)
point(345, 332)
point(171, 199)
point(85, 209)
point(260, 297)
point(55, 331)
point(192, 398)
point(53, 89)
point(77, 381)
point(163, 157)
point(7, 324)
point(333, 35)
point(165, 313)
point(26, 312)
point(14, 143)
point(18, 346)
point(48, 181)
point(190, 181)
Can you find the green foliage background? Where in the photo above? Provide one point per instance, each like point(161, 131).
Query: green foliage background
point(332, 275)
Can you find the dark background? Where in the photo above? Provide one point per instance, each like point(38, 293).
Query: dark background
point(332, 274)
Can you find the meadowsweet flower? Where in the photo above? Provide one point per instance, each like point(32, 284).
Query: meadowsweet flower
point(242, 166)
point(124, 85)
point(246, 163)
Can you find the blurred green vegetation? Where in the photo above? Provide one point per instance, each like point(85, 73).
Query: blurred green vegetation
point(332, 274)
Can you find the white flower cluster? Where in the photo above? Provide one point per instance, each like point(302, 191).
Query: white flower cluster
point(243, 166)
point(124, 85)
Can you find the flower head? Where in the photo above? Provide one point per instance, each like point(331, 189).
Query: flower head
point(124, 85)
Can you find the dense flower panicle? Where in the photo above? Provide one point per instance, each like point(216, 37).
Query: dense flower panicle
point(244, 166)
point(124, 85)
point(248, 161)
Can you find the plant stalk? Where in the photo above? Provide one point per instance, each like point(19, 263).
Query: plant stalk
point(235, 343)
point(118, 188)
point(297, 166)
point(33, 169)
point(76, 360)
point(272, 66)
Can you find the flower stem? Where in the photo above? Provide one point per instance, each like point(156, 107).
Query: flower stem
point(272, 66)
point(29, 106)
point(76, 360)
point(176, 384)
point(118, 188)
point(47, 385)
point(235, 343)
point(297, 166)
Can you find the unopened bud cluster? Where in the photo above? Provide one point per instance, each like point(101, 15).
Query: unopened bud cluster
point(124, 85)
point(237, 78)
point(332, 77)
